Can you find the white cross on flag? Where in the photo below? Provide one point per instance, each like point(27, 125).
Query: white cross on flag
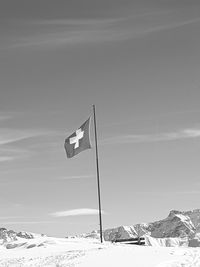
point(79, 140)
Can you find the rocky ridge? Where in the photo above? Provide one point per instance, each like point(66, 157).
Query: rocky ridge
point(10, 235)
point(177, 225)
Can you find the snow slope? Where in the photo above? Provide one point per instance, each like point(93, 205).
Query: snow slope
point(139, 256)
point(82, 252)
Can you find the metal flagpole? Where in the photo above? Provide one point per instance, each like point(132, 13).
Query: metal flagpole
point(98, 182)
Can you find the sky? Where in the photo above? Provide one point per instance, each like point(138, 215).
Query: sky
point(138, 61)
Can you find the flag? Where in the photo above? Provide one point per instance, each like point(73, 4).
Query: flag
point(78, 141)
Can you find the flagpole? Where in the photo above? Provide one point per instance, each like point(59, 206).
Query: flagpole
point(98, 181)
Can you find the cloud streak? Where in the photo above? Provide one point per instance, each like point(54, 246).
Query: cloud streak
point(74, 177)
point(50, 33)
point(8, 154)
point(4, 158)
point(76, 212)
point(180, 193)
point(9, 217)
point(8, 136)
point(27, 222)
point(4, 117)
point(149, 138)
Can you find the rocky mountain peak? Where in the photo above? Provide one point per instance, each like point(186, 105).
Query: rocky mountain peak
point(177, 224)
point(10, 235)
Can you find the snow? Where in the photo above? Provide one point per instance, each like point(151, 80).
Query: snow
point(86, 252)
point(166, 242)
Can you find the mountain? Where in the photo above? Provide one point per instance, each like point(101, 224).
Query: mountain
point(177, 224)
point(7, 236)
point(180, 228)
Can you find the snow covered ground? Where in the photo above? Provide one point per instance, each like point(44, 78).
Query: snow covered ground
point(82, 252)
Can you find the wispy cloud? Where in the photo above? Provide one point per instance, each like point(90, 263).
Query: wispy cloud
point(27, 222)
point(10, 217)
point(184, 192)
point(8, 154)
point(168, 26)
point(8, 135)
point(4, 158)
point(192, 192)
point(4, 117)
point(75, 31)
point(75, 212)
point(78, 22)
point(76, 177)
point(158, 137)
point(9, 138)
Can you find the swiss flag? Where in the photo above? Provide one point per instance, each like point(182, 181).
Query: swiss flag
point(79, 140)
